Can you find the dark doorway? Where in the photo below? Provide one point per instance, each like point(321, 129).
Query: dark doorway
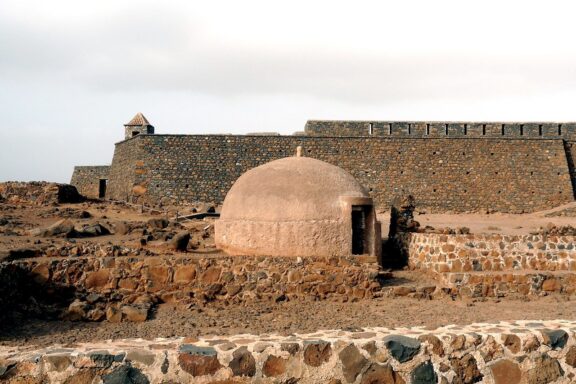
point(358, 230)
point(102, 188)
point(135, 133)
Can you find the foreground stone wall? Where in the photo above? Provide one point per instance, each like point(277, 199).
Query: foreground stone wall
point(87, 179)
point(443, 175)
point(527, 352)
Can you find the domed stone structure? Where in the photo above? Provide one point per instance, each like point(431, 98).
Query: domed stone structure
point(298, 206)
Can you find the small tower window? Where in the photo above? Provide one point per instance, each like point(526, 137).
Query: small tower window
point(135, 133)
point(370, 129)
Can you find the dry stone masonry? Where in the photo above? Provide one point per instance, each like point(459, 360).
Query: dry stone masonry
point(493, 264)
point(530, 352)
point(446, 166)
point(87, 179)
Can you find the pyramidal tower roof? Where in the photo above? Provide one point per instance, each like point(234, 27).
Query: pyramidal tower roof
point(138, 120)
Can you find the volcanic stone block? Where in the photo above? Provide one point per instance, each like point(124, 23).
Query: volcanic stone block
point(352, 362)
point(243, 363)
point(317, 353)
point(424, 374)
point(402, 348)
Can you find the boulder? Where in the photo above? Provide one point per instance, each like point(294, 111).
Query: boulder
point(63, 228)
point(180, 241)
point(77, 311)
point(134, 313)
point(93, 231)
point(158, 223)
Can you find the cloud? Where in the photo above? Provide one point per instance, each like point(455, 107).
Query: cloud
point(74, 71)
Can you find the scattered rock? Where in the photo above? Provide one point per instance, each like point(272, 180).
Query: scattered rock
point(158, 223)
point(180, 241)
point(133, 313)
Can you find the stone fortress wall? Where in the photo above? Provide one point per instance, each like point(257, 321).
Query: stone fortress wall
point(446, 166)
point(458, 175)
point(86, 179)
point(541, 130)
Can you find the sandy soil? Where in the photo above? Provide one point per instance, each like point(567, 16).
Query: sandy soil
point(493, 223)
point(285, 317)
point(291, 317)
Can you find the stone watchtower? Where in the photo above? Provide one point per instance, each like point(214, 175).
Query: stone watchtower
point(137, 126)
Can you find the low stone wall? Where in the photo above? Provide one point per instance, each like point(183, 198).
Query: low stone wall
point(195, 278)
point(503, 353)
point(494, 265)
point(466, 253)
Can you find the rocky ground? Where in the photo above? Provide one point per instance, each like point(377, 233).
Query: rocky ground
point(35, 223)
point(291, 317)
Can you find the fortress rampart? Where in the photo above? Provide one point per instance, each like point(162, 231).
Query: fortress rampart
point(503, 174)
point(446, 166)
point(533, 130)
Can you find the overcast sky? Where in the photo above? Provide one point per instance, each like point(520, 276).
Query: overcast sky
point(72, 72)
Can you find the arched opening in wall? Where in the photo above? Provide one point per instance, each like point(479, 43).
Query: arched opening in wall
point(370, 129)
point(389, 129)
point(427, 129)
point(409, 129)
point(521, 129)
point(503, 129)
point(446, 129)
point(483, 129)
point(559, 129)
point(465, 129)
point(102, 184)
point(540, 130)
